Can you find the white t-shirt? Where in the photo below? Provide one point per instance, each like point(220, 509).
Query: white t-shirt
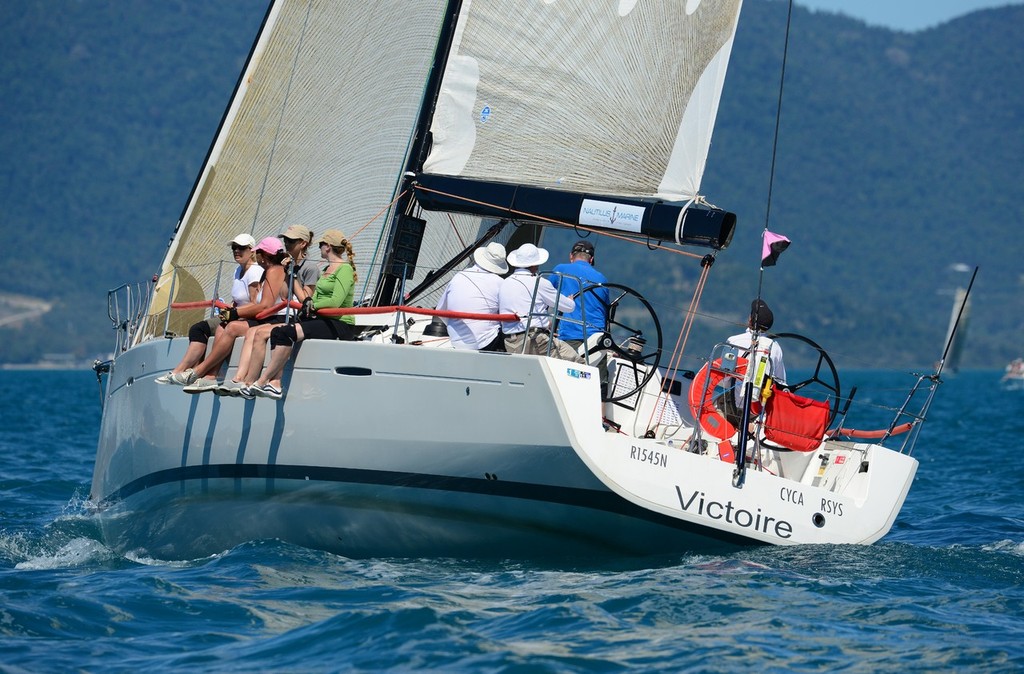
point(765, 345)
point(240, 284)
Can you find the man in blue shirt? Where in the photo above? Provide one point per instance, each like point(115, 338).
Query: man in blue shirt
point(591, 307)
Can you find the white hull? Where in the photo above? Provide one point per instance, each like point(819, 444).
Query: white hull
point(397, 450)
point(1012, 382)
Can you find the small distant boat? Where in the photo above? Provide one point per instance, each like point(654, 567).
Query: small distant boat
point(424, 130)
point(1013, 376)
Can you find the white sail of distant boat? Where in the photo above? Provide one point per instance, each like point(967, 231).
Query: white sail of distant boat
point(424, 130)
point(956, 333)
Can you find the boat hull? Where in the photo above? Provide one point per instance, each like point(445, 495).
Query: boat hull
point(376, 450)
point(399, 450)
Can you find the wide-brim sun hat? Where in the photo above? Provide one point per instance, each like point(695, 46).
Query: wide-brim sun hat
point(271, 246)
point(527, 255)
point(244, 239)
point(491, 257)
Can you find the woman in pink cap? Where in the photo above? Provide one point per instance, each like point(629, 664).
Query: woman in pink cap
point(302, 275)
point(235, 321)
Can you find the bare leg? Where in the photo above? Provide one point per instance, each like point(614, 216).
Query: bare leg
point(278, 357)
point(247, 356)
point(255, 352)
point(193, 355)
point(222, 343)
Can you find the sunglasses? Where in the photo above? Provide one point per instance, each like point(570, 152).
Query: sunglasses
point(235, 247)
point(289, 242)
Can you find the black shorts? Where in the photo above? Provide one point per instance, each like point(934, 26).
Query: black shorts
point(328, 328)
point(269, 320)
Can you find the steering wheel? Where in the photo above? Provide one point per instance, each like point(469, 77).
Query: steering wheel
point(831, 378)
point(628, 309)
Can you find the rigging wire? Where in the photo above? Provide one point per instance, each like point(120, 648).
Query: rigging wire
point(775, 139)
point(739, 475)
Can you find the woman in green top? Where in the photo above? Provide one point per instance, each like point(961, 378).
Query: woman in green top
point(334, 290)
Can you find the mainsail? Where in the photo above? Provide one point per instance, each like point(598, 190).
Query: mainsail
point(607, 97)
point(582, 113)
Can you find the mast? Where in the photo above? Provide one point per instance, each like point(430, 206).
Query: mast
point(404, 229)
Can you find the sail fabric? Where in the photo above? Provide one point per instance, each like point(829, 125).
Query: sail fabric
point(614, 97)
point(317, 134)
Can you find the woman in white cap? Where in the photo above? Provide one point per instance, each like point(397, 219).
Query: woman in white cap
point(531, 333)
point(474, 290)
point(244, 290)
point(235, 321)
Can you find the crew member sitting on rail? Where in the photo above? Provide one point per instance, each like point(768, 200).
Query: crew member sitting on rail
point(334, 290)
point(302, 275)
point(236, 321)
point(244, 290)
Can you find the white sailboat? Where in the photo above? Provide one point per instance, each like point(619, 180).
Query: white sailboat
point(1013, 376)
point(423, 130)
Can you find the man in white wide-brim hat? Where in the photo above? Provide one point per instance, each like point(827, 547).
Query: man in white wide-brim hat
point(530, 334)
point(474, 290)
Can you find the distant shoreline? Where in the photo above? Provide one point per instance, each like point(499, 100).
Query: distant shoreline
point(47, 366)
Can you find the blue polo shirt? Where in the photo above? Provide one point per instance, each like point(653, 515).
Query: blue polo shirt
point(594, 305)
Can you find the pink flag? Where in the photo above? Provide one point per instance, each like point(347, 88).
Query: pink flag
point(772, 245)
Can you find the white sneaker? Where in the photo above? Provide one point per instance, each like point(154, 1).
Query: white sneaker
point(266, 391)
point(185, 378)
point(165, 378)
point(228, 388)
point(201, 386)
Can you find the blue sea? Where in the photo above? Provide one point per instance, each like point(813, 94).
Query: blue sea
point(943, 592)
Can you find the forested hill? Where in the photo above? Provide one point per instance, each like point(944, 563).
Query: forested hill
point(898, 156)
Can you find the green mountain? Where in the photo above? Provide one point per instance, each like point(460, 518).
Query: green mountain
point(897, 157)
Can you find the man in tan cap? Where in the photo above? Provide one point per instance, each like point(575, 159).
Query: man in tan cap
point(302, 274)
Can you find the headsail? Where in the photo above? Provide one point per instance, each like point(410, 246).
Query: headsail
point(317, 133)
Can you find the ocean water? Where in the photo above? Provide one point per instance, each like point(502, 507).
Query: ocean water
point(943, 592)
